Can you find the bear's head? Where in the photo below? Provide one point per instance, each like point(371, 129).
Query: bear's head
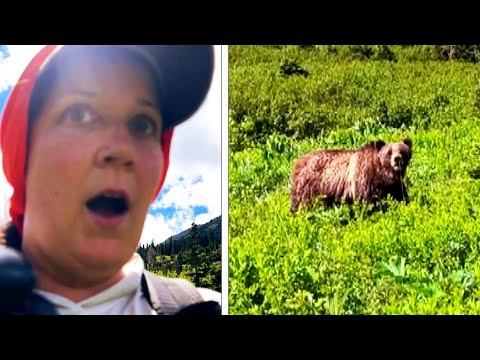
point(395, 155)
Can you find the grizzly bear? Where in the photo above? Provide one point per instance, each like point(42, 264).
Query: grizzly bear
point(367, 174)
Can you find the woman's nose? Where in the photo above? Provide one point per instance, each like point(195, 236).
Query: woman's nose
point(118, 149)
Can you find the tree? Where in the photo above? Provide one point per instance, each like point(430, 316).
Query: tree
point(194, 233)
point(151, 254)
point(178, 263)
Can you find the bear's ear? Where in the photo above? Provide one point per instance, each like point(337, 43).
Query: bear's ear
point(378, 144)
point(408, 142)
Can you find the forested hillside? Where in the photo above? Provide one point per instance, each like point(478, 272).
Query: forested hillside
point(194, 254)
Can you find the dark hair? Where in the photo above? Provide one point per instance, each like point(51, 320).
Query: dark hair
point(44, 82)
point(10, 237)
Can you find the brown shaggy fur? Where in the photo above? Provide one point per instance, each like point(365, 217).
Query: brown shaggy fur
point(367, 174)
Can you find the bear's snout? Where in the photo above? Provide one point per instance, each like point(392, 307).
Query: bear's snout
point(397, 163)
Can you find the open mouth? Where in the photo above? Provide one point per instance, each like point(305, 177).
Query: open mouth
point(108, 204)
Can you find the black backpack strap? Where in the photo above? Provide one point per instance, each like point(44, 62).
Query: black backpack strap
point(168, 296)
point(204, 308)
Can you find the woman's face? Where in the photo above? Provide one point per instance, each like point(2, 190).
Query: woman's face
point(94, 164)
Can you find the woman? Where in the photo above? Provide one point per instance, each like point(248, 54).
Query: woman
point(85, 136)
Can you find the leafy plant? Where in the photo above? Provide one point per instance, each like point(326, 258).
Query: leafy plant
point(396, 269)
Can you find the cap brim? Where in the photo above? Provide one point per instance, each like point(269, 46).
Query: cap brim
point(184, 73)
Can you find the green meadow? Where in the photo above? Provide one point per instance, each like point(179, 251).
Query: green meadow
point(420, 258)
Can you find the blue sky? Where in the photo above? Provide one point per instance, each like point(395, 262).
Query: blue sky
point(3, 97)
point(4, 51)
point(192, 189)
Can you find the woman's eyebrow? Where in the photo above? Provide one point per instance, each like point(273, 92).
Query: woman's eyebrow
point(85, 93)
point(140, 101)
point(145, 102)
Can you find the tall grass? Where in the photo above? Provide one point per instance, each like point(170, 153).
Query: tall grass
point(421, 258)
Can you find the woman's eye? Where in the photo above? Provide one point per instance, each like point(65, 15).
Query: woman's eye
point(79, 113)
point(143, 125)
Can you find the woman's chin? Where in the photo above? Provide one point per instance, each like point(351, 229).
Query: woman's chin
point(105, 251)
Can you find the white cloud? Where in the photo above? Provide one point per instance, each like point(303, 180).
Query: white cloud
point(202, 219)
point(5, 194)
point(12, 66)
point(191, 192)
point(155, 228)
point(159, 228)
